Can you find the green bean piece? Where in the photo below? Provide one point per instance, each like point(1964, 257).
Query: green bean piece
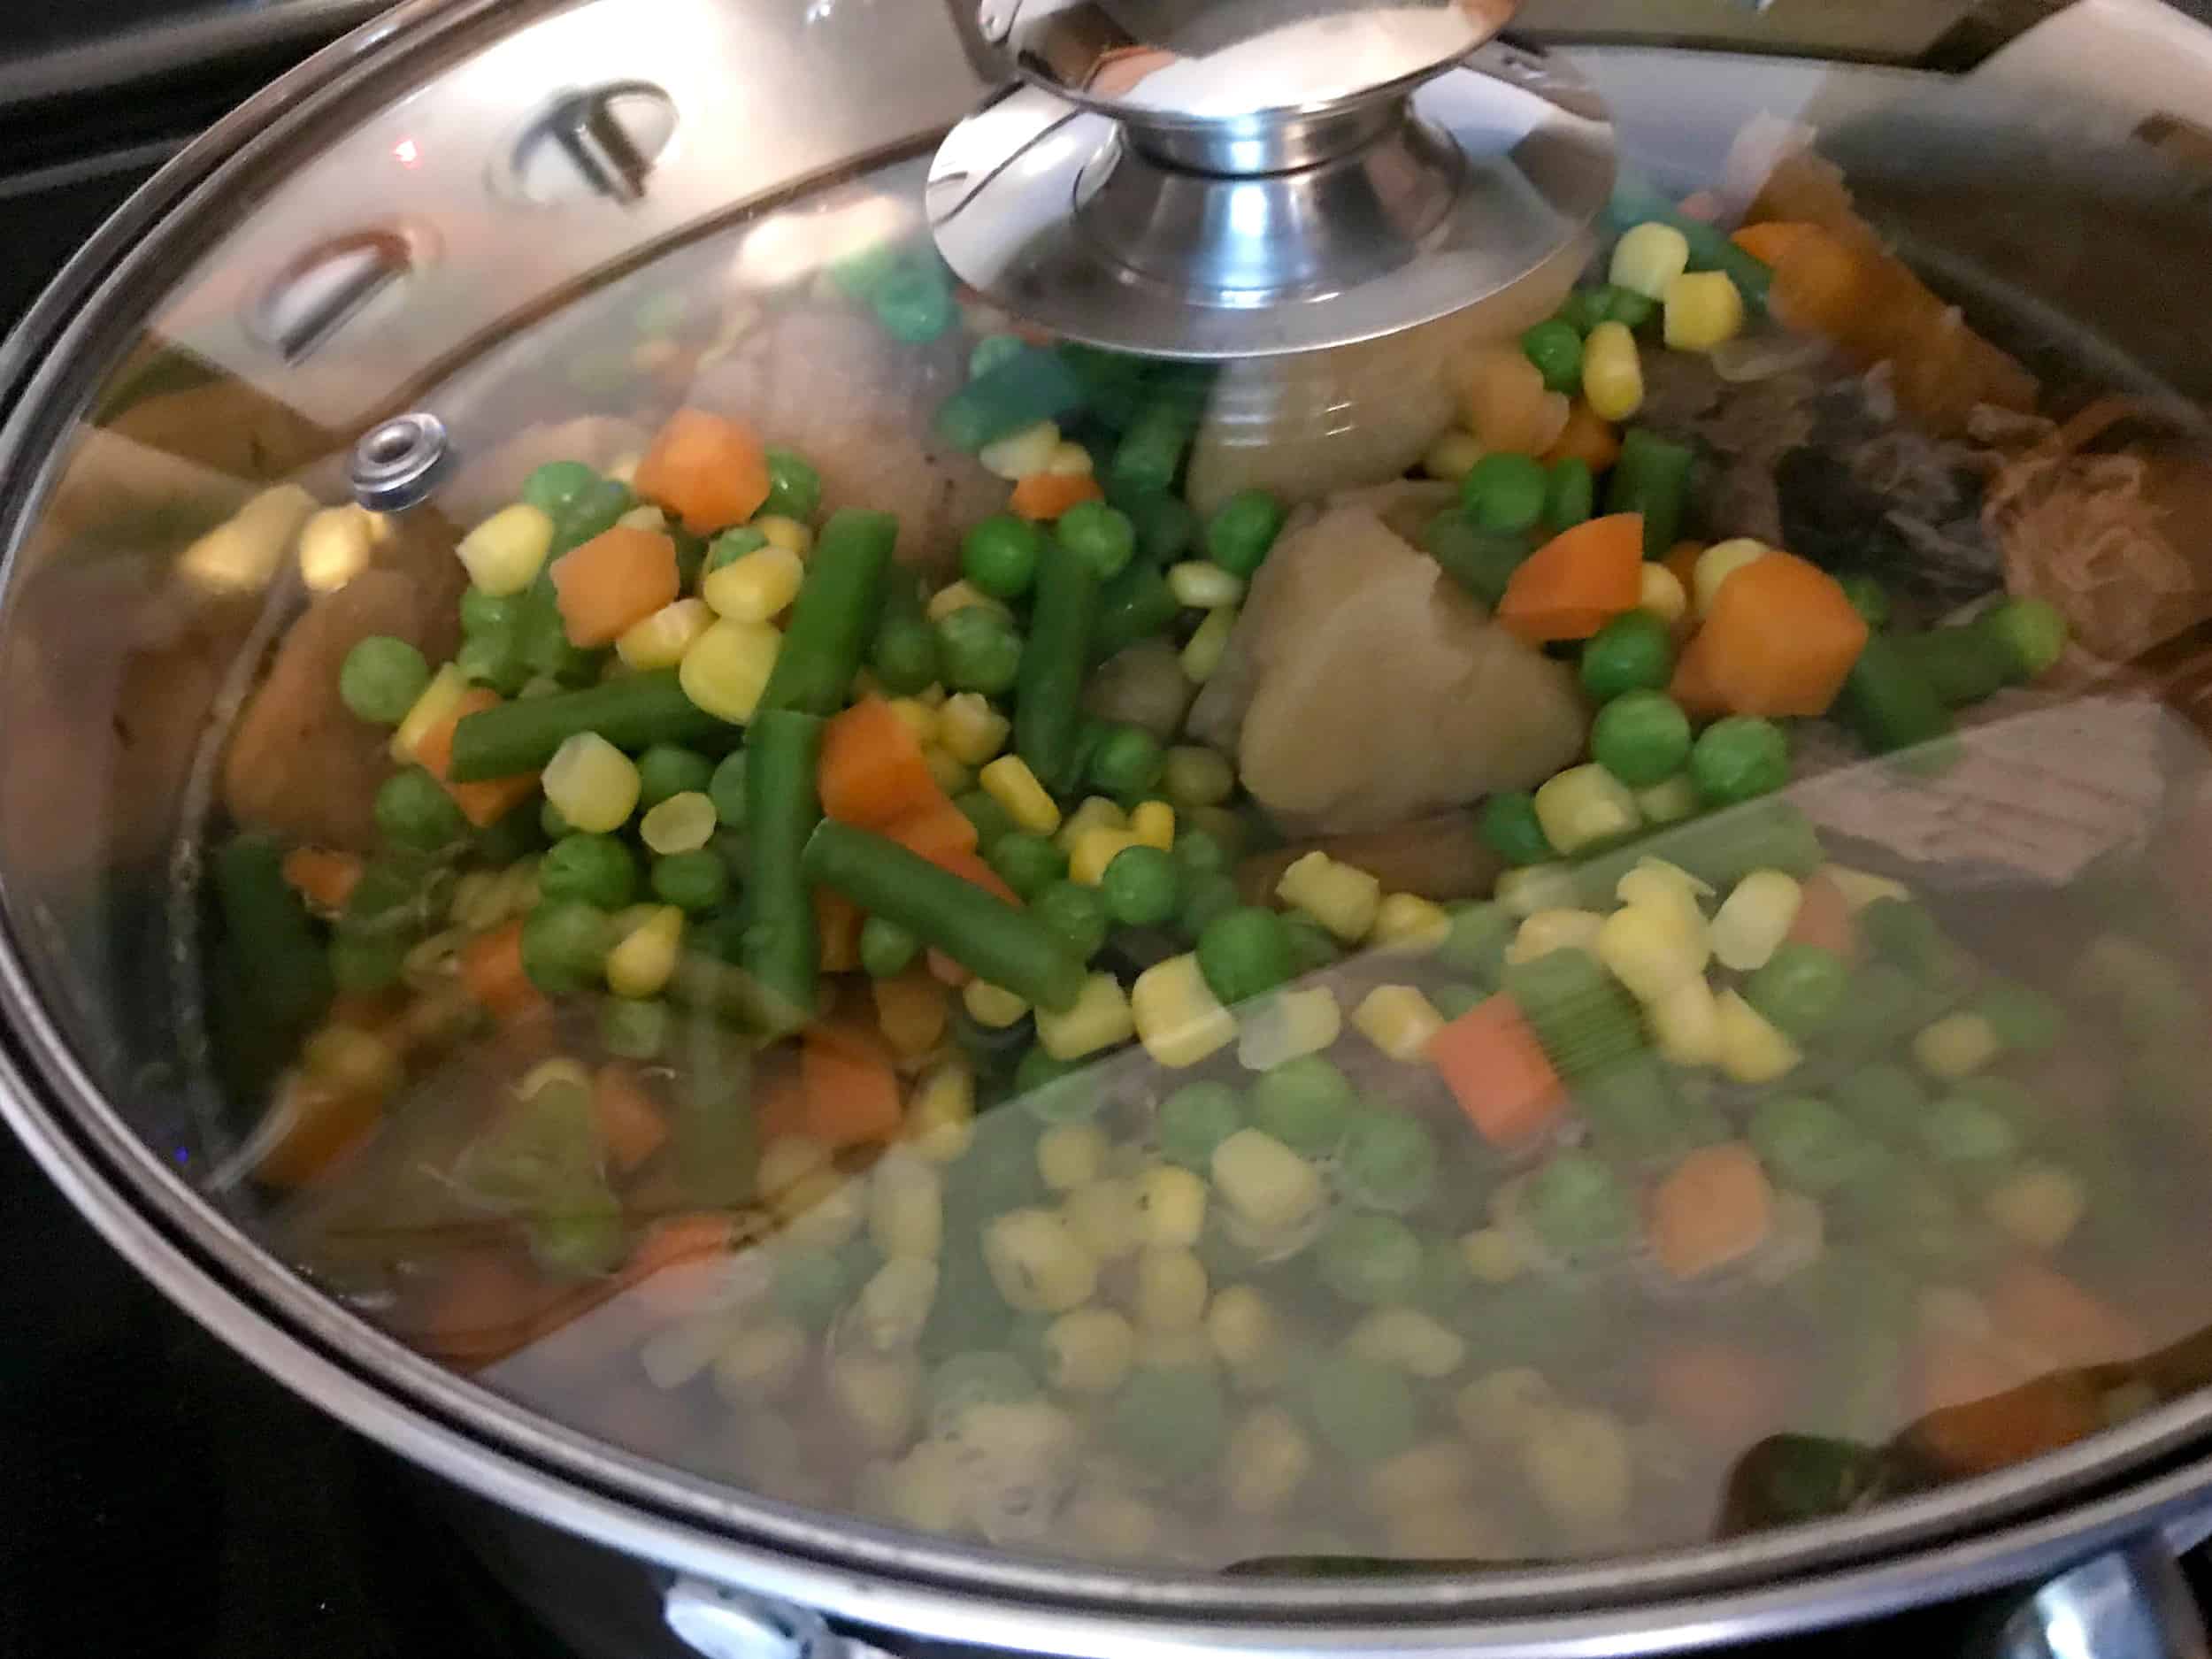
point(1048, 693)
point(1888, 701)
point(631, 712)
point(1363, 1411)
point(270, 945)
point(1964, 663)
point(991, 820)
point(1167, 529)
point(782, 809)
point(1306, 1103)
point(834, 615)
point(1579, 1013)
point(1475, 945)
point(1570, 495)
point(1138, 605)
point(1170, 1419)
point(1652, 477)
point(1028, 863)
point(1481, 561)
point(595, 869)
point(381, 678)
point(1151, 450)
point(1033, 385)
point(1719, 849)
point(985, 935)
point(1076, 913)
point(1243, 529)
point(1555, 349)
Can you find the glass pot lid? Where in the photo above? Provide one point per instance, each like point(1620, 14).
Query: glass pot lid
point(1538, 940)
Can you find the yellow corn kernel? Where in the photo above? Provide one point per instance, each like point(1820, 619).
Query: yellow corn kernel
point(1956, 1046)
point(1406, 1340)
point(910, 1013)
point(1649, 258)
point(785, 535)
point(1533, 887)
point(1612, 374)
point(932, 696)
point(1089, 1351)
point(244, 552)
point(661, 640)
point(1343, 900)
point(644, 961)
point(1686, 1022)
point(1547, 931)
point(1195, 776)
point(2040, 1205)
point(1703, 309)
point(1265, 1182)
point(1583, 806)
point(727, 668)
point(1106, 1217)
point(681, 824)
point(1100, 1018)
point(941, 1118)
point(1755, 918)
point(761, 1362)
point(1268, 1458)
point(758, 587)
point(1037, 1263)
point(1452, 457)
point(1409, 924)
point(960, 596)
point(505, 553)
point(1069, 1156)
point(1672, 802)
point(1656, 881)
point(1093, 813)
point(1398, 1020)
point(1717, 564)
point(1860, 889)
point(945, 770)
point(335, 546)
point(1502, 1408)
point(1068, 460)
point(1659, 591)
point(876, 1393)
point(1093, 850)
point(645, 516)
point(1577, 1462)
point(1171, 1291)
point(1492, 1256)
point(354, 1063)
point(970, 730)
point(1245, 1334)
point(906, 1208)
point(1170, 1206)
point(1009, 781)
point(1153, 823)
point(1207, 647)
point(1651, 948)
point(989, 1005)
point(591, 783)
point(1202, 585)
point(917, 718)
point(1177, 1016)
point(1288, 1025)
point(1018, 454)
point(1752, 1049)
point(434, 707)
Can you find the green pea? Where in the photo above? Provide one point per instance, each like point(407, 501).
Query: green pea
point(594, 870)
point(1370, 1260)
point(694, 880)
point(1170, 1419)
point(1102, 536)
point(905, 655)
point(1244, 954)
point(495, 661)
point(1312, 946)
point(592, 510)
point(1800, 988)
point(1626, 306)
point(1200, 850)
point(1961, 1129)
point(1641, 737)
point(1885, 1097)
point(1166, 528)
point(1505, 493)
point(1808, 1143)
point(1306, 1103)
point(1739, 758)
point(811, 1286)
point(1000, 555)
point(381, 678)
point(1028, 863)
point(1578, 1207)
point(1196, 1118)
point(1510, 828)
point(1127, 762)
point(2033, 634)
point(1242, 531)
point(1555, 349)
point(979, 651)
point(634, 1029)
point(1867, 596)
point(666, 770)
point(1475, 945)
point(552, 486)
point(364, 963)
point(731, 546)
point(1632, 652)
point(886, 949)
point(914, 303)
point(1058, 1091)
point(565, 946)
point(794, 488)
point(1582, 311)
point(1388, 1162)
point(726, 789)
point(1363, 1411)
point(1076, 913)
point(1140, 888)
point(2025, 1020)
point(484, 613)
point(413, 810)
point(552, 822)
point(1206, 900)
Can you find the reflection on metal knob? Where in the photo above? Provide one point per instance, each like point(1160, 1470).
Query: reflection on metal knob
point(401, 463)
point(723, 1623)
point(2131, 1604)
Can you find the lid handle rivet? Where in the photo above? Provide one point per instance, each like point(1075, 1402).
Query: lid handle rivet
point(400, 463)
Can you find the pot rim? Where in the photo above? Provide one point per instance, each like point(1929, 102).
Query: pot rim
point(1994, 1528)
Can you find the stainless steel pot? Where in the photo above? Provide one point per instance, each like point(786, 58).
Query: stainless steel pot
point(307, 242)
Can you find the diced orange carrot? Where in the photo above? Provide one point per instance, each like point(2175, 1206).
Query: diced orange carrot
point(1822, 284)
point(710, 472)
point(630, 1120)
point(1726, 1393)
point(618, 578)
point(1768, 242)
point(1714, 1207)
point(1578, 581)
point(852, 1091)
point(482, 1307)
point(323, 877)
point(945, 970)
point(837, 931)
point(1781, 639)
point(492, 972)
point(485, 802)
point(320, 1124)
point(2054, 1318)
point(911, 1009)
point(938, 831)
point(1588, 437)
point(971, 867)
point(872, 771)
point(1977, 1414)
point(1824, 918)
point(1498, 1072)
point(1693, 688)
point(1043, 496)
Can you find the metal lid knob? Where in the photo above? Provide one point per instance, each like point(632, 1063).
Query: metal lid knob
point(1225, 179)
